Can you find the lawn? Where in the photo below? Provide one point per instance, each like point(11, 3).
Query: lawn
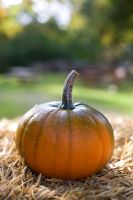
point(16, 97)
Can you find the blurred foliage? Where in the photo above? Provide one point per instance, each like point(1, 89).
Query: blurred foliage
point(113, 21)
point(99, 31)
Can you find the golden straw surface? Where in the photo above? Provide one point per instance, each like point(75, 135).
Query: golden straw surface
point(114, 182)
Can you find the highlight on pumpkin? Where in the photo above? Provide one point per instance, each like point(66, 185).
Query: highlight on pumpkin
point(65, 140)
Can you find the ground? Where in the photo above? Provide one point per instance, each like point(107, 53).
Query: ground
point(115, 181)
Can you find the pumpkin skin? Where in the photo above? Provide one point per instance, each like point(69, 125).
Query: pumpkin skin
point(65, 143)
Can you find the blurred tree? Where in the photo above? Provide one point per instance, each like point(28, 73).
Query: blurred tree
point(113, 20)
point(98, 31)
point(120, 17)
point(37, 42)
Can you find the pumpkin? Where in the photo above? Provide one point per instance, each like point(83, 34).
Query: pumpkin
point(65, 140)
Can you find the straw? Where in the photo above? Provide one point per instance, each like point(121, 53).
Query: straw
point(115, 181)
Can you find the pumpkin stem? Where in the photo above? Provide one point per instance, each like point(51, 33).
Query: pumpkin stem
point(67, 91)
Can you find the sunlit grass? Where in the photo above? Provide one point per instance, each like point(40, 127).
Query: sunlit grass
point(16, 98)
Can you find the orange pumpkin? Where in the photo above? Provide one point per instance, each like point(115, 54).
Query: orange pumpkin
point(65, 140)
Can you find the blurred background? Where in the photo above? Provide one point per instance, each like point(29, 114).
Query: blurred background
point(42, 40)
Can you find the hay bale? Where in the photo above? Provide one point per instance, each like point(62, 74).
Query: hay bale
point(115, 181)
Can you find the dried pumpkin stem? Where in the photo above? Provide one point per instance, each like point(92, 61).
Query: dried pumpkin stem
point(67, 91)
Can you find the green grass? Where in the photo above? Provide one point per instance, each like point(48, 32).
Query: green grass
point(16, 98)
